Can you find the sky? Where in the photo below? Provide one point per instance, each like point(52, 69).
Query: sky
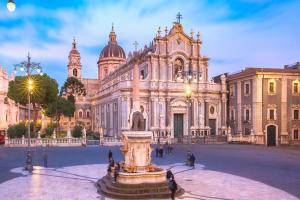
point(235, 34)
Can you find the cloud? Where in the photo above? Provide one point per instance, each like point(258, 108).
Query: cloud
point(235, 34)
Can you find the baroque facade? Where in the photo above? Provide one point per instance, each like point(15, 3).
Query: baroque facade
point(9, 110)
point(165, 66)
point(266, 103)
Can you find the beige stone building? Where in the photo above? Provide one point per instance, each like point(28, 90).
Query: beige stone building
point(171, 60)
point(9, 110)
point(265, 102)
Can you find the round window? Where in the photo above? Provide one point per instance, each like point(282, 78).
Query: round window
point(212, 110)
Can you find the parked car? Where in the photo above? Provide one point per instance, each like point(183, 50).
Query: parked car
point(2, 136)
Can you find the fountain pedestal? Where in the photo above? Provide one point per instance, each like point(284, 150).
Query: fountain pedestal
point(137, 160)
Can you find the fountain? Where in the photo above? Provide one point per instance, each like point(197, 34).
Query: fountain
point(138, 177)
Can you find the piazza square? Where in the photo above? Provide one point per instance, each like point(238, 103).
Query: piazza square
point(149, 100)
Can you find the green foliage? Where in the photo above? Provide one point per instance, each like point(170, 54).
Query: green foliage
point(17, 130)
point(50, 128)
point(59, 107)
point(76, 132)
point(92, 136)
point(45, 90)
point(61, 134)
point(73, 86)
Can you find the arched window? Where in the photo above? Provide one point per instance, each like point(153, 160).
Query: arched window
point(75, 72)
point(87, 114)
point(80, 114)
point(178, 69)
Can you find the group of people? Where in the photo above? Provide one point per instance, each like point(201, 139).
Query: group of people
point(159, 150)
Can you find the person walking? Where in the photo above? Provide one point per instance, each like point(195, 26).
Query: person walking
point(170, 175)
point(192, 158)
point(45, 156)
point(188, 158)
point(110, 155)
point(172, 187)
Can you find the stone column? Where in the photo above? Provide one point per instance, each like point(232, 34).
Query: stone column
point(258, 110)
point(167, 112)
point(206, 113)
point(239, 106)
point(284, 115)
point(223, 112)
point(196, 114)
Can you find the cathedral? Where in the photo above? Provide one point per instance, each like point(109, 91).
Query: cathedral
point(170, 63)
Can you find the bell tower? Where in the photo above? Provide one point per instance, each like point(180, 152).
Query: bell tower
point(74, 65)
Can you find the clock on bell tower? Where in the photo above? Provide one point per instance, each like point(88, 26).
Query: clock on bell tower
point(74, 65)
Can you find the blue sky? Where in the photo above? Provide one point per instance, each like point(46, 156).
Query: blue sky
point(235, 34)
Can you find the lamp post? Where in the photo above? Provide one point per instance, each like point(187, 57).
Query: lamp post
point(11, 6)
point(188, 95)
point(29, 68)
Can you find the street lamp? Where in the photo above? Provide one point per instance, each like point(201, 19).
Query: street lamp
point(29, 68)
point(11, 6)
point(188, 95)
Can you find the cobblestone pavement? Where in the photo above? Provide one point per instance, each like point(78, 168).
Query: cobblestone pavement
point(275, 167)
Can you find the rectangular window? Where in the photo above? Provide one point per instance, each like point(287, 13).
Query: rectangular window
point(247, 118)
point(296, 114)
point(296, 134)
point(231, 90)
point(115, 106)
point(272, 87)
point(247, 89)
point(232, 115)
point(295, 88)
point(272, 114)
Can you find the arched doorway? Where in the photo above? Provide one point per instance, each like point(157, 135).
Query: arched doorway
point(271, 135)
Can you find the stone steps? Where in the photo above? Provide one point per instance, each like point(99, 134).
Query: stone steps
point(107, 187)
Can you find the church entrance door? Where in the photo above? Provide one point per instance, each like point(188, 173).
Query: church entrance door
point(271, 135)
point(212, 125)
point(178, 125)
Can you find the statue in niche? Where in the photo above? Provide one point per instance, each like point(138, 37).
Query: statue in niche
point(138, 121)
point(178, 69)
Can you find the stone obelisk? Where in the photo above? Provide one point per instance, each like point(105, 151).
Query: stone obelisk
point(136, 88)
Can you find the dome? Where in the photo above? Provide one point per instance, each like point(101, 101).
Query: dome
point(112, 49)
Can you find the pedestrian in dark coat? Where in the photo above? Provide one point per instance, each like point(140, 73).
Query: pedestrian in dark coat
point(170, 175)
point(193, 158)
point(161, 151)
point(188, 158)
point(45, 160)
point(110, 156)
point(173, 188)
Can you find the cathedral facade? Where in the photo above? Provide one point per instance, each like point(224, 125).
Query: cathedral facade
point(170, 63)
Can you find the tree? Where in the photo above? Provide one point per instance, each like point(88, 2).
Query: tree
point(45, 90)
point(58, 108)
point(72, 87)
